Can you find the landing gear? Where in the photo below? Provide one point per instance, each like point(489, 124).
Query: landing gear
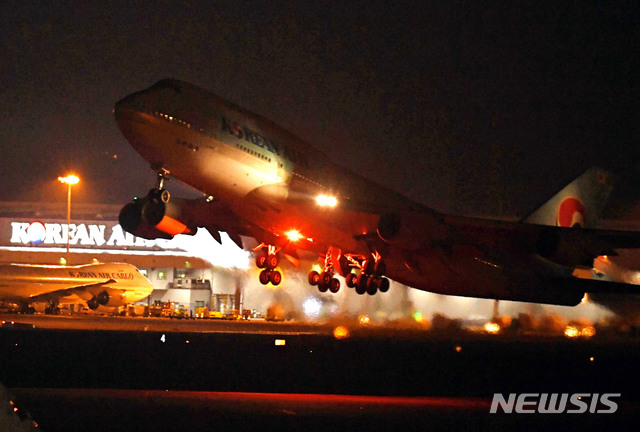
point(325, 280)
point(27, 309)
point(273, 276)
point(268, 260)
point(52, 308)
point(370, 280)
point(160, 194)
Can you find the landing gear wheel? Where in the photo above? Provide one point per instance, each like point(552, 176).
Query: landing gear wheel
point(165, 196)
point(314, 278)
point(272, 261)
point(379, 268)
point(275, 277)
point(351, 280)
point(325, 278)
point(361, 286)
point(159, 195)
point(371, 286)
point(334, 286)
point(383, 285)
point(265, 276)
point(261, 260)
point(322, 287)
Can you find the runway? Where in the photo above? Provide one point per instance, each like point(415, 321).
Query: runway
point(100, 373)
point(97, 322)
point(72, 410)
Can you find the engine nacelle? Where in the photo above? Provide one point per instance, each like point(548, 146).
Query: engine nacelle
point(570, 246)
point(130, 219)
point(101, 299)
point(167, 217)
point(410, 230)
point(152, 218)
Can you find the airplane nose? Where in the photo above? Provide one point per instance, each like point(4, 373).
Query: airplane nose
point(121, 106)
point(127, 104)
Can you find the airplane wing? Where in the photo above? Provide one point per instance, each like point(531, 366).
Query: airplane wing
point(84, 292)
point(566, 246)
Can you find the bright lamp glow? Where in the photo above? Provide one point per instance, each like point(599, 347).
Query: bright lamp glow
point(311, 307)
point(293, 235)
point(69, 180)
point(326, 201)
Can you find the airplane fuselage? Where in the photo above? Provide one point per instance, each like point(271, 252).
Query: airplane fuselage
point(24, 283)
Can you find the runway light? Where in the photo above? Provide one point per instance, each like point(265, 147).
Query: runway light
point(458, 348)
point(492, 328)
point(341, 332)
point(417, 316)
point(364, 319)
point(280, 342)
point(293, 235)
point(326, 201)
point(588, 331)
point(571, 332)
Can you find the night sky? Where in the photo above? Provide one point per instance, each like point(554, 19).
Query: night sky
point(481, 108)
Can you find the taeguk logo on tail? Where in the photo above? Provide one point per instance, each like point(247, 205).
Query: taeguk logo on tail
point(571, 213)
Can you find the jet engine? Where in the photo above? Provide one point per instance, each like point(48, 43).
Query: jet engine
point(100, 299)
point(410, 230)
point(155, 216)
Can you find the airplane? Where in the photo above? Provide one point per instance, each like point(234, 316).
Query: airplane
point(96, 284)
point(259, 180)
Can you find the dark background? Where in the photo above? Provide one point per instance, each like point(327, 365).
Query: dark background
point(469, 107)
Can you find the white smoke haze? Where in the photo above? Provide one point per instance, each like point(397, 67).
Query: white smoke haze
point(400, 305)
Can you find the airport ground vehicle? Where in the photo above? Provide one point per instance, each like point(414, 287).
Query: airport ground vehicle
point(205, 313)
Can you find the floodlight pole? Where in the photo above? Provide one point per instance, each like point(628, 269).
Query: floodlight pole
point(68, 220)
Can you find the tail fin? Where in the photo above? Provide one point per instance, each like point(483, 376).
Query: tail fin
point(580, 203)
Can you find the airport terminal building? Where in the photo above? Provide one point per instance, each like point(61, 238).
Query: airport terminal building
point(191, 272)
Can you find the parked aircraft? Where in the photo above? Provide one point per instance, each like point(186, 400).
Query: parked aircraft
point(97, 284)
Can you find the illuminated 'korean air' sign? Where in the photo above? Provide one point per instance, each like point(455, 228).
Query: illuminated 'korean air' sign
point(84, 235)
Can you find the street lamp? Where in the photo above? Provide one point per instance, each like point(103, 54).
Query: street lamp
point(69, 181)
